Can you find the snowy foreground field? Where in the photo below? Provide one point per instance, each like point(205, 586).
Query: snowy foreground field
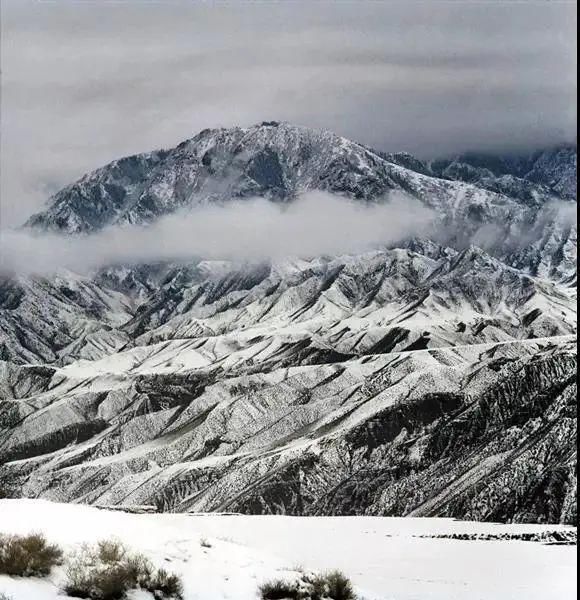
point(385, 557)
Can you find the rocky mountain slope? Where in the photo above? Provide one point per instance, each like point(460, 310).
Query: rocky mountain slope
point(434, 378)
point(279, 161)
point(320, 310)
point(545, 172)
point(483, 432)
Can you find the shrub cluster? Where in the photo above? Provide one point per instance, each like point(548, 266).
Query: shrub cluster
point(28, 555)
point(329, 586)
point(238, 389)
point(108, 571)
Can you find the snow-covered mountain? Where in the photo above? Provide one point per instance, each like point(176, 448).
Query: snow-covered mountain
point(320, 310)
point(553, 169)
point(279, 161)
point(485, 432)
point(550, 172)
point(433, 378)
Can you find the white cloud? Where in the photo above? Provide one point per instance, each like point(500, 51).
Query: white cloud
point(315, 224)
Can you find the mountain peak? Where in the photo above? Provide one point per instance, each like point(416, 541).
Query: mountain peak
point(279, 161)
point(272, 159)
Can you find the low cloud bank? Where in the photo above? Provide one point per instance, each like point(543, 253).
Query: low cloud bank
point(491, 236)
point(247, 230)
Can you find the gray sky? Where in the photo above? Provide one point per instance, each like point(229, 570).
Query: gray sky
point(86, 82)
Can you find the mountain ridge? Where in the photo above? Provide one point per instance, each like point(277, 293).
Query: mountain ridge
point(435, 377)
point(278, 162)
point(258, 140)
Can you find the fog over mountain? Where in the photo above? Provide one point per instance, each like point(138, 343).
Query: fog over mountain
point(317, 223)
point(300, 258)
point(277, 319)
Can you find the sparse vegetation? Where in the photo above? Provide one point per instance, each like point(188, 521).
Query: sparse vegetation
point(245, 388)
point(338, 586)
point(280, 590)
point(333, 585)
point(108, 571)
point(111, 551)
point(4, 596)
point(28, 555)
point(164, 585)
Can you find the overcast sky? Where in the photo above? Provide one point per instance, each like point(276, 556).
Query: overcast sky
point(86, 82)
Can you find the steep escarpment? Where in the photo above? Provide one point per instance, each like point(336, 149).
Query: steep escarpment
point(485, 432)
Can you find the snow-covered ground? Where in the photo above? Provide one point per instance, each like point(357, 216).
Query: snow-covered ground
point(384, 556)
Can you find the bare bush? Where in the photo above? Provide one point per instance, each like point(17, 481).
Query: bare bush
point(108, 571)
point(339, 586)
point(333, 585)
point(279, 590)
point(111, 551)
point(28, 555)
point(164, 585)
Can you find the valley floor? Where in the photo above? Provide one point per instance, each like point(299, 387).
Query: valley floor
point(387, 558)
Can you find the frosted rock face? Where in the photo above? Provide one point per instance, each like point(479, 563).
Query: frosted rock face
point(278, 161)
point(481, 432)
point(287, 313)
point(386, 383)
point(436, 378)
point(551, 171)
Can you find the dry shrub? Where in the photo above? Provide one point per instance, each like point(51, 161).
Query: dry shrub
point(28, 555)
point(108, 571)
point(111, 551)
point(279, 590)
point(339, 586)
point(165, 585)
point(333, 585)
